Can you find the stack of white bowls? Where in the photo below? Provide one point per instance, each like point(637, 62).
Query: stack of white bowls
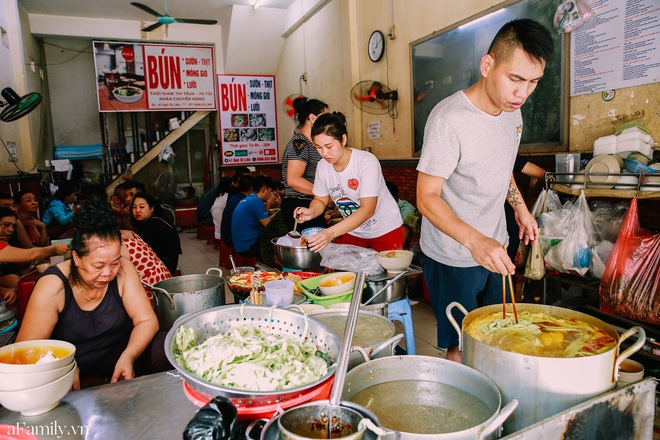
point(35, 375)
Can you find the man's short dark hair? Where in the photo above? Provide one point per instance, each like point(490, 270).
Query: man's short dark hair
point(130, 184)
point(245, 183)
point(260, 181)
point(526, 34)
point(6, 196)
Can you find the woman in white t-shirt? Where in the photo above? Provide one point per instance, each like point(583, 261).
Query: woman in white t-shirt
point(354, 181)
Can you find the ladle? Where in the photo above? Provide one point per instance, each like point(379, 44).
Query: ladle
point(384, 288)
point(294, 233)
point(233, 263)
point(333, 412)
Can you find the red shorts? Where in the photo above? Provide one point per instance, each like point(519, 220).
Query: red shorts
point(386, 242)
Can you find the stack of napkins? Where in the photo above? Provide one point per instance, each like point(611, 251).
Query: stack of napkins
point(629, 140)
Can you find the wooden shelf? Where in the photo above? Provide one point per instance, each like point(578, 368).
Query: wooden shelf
point(614, 193)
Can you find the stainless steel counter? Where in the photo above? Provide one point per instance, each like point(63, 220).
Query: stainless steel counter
point(155, 407)
point(148, 407)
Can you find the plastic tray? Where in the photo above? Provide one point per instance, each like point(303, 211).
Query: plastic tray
point(636, 167)
point(309, 285)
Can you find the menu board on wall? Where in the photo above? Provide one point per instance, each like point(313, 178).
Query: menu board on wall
point(139, 77)
point(248, 119)
point(618, 47)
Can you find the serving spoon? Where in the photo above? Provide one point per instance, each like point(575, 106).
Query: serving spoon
point(294, 233)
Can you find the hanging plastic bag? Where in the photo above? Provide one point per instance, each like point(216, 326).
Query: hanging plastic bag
point(630, 286)
point(522, 254)
point(571, 14)
point(535, 267)
point(166, 155)
point(573, 254)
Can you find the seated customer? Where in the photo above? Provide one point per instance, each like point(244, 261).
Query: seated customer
point(251, 217)
point(60, 212)
point(150, 268)
point(30, 230)
point(131, 187)
point(245, 188)
point(96, 302)
point(158, 233)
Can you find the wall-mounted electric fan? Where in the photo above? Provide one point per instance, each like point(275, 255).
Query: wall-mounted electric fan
point(287, 105)
point(17, 106)
point(374, 97)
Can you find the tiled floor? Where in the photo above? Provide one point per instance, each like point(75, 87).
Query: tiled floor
point(198, 256)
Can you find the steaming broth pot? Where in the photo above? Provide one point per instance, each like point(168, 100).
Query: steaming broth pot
point(424, 408)
point(540, 334)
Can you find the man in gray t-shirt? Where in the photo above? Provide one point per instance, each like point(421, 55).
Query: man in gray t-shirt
point(471, 140)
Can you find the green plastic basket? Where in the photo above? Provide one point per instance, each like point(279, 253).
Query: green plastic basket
point(309, 285)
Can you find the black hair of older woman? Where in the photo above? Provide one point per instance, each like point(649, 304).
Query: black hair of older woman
point(331, 124)
point(305, 107)
point(18, 196)
point(95, 219)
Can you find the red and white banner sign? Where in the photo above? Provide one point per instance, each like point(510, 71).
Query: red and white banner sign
point(136, 77)
point(248, 119)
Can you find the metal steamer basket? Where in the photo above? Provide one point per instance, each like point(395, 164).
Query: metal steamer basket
point(279, 321)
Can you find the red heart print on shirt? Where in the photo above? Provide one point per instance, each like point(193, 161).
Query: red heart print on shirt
point(353, 184)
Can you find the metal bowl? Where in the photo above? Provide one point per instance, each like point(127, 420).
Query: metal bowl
point(296, 257)
point(279, 321)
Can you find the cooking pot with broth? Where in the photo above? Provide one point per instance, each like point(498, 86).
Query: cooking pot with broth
point(543, 385)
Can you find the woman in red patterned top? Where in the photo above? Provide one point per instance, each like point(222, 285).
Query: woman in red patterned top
point(150, 268)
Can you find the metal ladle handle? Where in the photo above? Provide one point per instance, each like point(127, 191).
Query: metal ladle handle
point(384, 288)
point(342, 361)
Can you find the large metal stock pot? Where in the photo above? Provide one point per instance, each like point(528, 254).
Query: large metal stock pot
point(544, 386)
point(429, 369)
point(373, 338)
point(177, 296)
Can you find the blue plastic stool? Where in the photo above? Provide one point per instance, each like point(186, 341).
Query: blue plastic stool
point(400, 311)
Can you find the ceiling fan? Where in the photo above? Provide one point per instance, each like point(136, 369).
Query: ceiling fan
point(165, 18)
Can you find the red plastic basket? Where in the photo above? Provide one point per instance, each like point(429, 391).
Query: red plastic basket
point(253, 409)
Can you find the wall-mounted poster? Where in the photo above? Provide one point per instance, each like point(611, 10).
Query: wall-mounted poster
point(139, 77)
point(248, 119)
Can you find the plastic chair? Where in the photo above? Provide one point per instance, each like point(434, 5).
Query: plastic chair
point(400, 311)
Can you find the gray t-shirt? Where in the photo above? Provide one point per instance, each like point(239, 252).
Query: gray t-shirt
point(474, 152)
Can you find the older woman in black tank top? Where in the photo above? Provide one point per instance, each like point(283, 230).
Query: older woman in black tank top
point(96, 302)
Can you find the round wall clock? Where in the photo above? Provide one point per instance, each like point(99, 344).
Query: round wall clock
point(376, 46)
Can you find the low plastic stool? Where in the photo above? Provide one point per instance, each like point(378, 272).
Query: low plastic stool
point(400, 311)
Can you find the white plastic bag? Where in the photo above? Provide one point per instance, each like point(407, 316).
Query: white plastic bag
point(573, 254)
point(347, 257)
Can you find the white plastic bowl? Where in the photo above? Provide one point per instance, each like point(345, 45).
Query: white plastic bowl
point(338, 282)
point(395, 260)
point(22, 381)
point(38, 400)
point(63, 350)
point(279, 292)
